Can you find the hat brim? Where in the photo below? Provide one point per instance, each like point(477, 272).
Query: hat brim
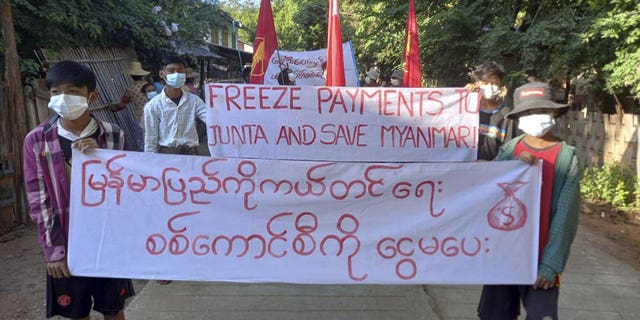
point(538, 104)
point(372, 75)
point(137, 72)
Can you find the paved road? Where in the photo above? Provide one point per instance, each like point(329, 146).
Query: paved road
point(596, 286)
point(191, 300)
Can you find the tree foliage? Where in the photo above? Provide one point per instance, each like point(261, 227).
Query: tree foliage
point(58, 24)
point(544, 39)
point(245, 11)
point(618, 27)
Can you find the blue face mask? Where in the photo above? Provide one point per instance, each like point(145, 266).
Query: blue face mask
point(176, 80)
point(150, 95)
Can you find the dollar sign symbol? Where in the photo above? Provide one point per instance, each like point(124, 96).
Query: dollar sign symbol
point(509, 213)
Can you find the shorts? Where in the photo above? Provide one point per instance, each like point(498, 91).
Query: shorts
point(503, 302)
point(72, 297)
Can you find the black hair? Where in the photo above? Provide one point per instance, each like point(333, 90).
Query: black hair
point(283, 77)
point(172, 59)
point(67, 71)
point(246, 72)
point(488, 69)
point(142, 90)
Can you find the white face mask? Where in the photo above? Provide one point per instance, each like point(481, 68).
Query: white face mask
point(150, 95)
point(368, 80)
point(490, 91)
point(395, 82)
point(536, 124)
point(68, 106)
point(176, 80)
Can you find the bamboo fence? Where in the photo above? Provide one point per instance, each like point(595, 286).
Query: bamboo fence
point(601, 138)
point(108, 65)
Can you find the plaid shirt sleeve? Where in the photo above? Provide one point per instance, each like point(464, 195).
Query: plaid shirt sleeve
point(201, 110)
point(41, 209)
point(151, 127)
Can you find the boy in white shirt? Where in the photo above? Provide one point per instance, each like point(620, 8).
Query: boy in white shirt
point(170, 117)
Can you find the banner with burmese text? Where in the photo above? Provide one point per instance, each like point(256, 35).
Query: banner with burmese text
point(197, 218)
point(307, 66)
point(342, 123)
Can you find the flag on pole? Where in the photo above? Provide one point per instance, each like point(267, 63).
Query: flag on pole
point(265, 44)
point(412, 75)
point(335, 60)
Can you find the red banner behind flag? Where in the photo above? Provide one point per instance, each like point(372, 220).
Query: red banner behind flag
point(265, 44)
point(412, 74)
point(335, 60)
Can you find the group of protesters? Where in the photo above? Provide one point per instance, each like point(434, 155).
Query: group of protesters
point(168, 124)
point(373, 78)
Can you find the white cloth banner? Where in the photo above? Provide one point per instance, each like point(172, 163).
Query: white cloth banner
point(342, 123)
point(157, 216)
point(307, 66)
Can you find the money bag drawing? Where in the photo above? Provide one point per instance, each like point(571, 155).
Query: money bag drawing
point(509, 213)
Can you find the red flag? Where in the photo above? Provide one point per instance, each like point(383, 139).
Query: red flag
point(335, 60)
point(412, 76)
point(265, 44)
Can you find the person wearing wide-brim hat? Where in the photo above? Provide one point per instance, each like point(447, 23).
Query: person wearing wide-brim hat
point(134, 94)
point(190, 73)
point(533, 96)
point(190, 84)
point(135, 69)
point(559, 206)
point(371, 78)
point(396, 78)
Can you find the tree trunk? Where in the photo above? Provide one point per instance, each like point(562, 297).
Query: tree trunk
point(15, 104)
point(619, 108)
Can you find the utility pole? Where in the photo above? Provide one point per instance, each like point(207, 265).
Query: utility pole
point(237, 47)
point(16, 106)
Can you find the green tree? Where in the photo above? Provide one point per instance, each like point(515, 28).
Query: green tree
point(616, 31)
point(545, 39)
point(62, 23)
point(245, 11)
point(57, 24)
point(379, 32)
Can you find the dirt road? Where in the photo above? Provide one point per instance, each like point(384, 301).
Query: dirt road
point(22, 276)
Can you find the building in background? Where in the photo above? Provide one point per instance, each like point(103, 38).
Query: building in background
point(224, 41)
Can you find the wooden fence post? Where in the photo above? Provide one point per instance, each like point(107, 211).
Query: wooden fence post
point(15, 104)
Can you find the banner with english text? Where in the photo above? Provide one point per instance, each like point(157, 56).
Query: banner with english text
point(173, 217)
point(342, 123)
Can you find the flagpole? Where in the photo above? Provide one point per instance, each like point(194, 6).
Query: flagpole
point(278, 54)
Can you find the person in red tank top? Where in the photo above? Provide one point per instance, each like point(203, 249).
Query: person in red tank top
point(559, 206)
